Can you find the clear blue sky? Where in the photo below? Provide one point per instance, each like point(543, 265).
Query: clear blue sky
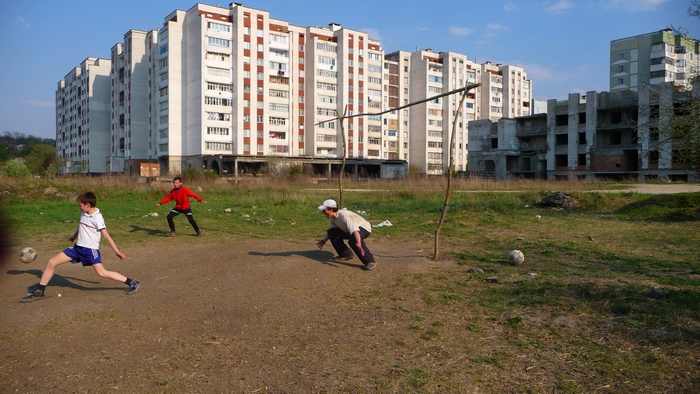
point(562, 44)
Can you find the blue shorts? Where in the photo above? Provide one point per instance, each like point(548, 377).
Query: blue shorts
point(86, 256)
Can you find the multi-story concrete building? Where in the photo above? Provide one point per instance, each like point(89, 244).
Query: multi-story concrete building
point(653, 58)
point(134, 94)
point(609, 135)
point(424, 74)
point(397, 71)
point(230, 88)
point(83, 118)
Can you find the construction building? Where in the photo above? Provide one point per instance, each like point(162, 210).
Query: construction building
point(609, 135)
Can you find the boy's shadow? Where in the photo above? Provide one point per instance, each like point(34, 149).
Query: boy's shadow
point(60, 281)
point(148, 231)
point(318, 255)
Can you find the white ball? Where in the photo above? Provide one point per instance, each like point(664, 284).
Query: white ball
point(516, 257)
point(59, 294)
point(27, 255)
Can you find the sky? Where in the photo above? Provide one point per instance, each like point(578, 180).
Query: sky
point(563, 45)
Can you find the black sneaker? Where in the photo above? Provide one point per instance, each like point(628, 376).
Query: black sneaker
point(134, 287)
point(35, 295)
point(370, 266)
point(199, 234)
point(344, 258)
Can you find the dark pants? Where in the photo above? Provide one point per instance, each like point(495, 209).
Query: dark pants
point(337, 236)
point(188, 212)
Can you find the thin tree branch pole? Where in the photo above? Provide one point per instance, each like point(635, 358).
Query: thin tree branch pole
point(450, 170)
point(345, 154)
point(466, 88)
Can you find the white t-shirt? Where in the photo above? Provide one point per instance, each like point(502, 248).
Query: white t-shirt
point(89, 231)
point(350, 222)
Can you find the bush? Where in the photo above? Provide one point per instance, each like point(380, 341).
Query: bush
point(16, 168)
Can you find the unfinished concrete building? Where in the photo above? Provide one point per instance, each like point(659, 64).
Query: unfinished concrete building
point(620, 135)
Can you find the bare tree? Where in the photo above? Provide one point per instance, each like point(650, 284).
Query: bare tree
point(694, 9)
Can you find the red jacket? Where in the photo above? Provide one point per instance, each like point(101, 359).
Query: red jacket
point(181, 196)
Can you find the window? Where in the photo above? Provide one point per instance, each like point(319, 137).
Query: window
point(561, 160)
point(220, 146)
point(220, 87)
point(620, 56)
point(218, 56)
point(218, 101)
point(582, 138)
point(218, 26)
point(620, 69)
point(324, 46)
point(326, 86)
point(325, 60)
point(279, 93)
point(279, 107)
point(218, 72)
point(218, 130)
point(615, 138)
point(219, 42)
point(278, 38)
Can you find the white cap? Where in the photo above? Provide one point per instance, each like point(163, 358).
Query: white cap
point(327, 204)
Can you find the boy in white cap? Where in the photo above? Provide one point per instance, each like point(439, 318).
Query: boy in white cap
point(347, 225)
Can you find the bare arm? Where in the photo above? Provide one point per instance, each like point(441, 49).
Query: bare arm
point(358, 241)
point(321, 242)
point(113, 245)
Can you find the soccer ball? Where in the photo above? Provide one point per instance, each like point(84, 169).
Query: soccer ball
point(27, 255)
point(516, 257)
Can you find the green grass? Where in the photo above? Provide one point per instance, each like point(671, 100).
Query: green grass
point(583, 293)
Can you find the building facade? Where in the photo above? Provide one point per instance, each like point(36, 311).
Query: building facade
point(612, 135)
point(83, 113)
point(653, 58)
point(231, 88)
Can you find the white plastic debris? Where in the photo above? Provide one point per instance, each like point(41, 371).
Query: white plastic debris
point(385, 223)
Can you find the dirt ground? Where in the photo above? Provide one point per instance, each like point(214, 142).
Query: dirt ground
point(247, 316)
point(244, 315)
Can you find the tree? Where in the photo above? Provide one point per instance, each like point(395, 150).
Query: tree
point(15, 168)
point(694, 9)
point(684, 128)
point(40, 158)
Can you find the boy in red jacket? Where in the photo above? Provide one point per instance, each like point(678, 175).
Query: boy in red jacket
point(181, 195)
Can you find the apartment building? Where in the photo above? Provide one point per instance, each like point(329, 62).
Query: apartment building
point(427, 127)
point(83, 116)
point(397, 71)
point(614, 135)
point(231, 89)
point(653, 58)
point(345, 71)
point(133, 96)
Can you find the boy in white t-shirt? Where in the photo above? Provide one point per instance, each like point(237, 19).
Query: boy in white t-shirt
point(86, 250)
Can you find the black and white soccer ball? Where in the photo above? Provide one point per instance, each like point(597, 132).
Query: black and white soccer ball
point(516, 257)
point(27, 255)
